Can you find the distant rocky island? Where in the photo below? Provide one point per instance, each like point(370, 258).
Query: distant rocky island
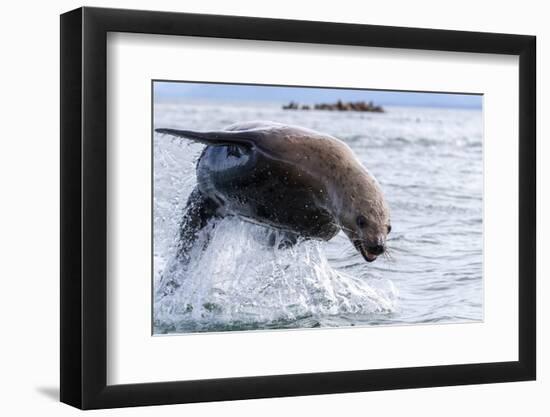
point(361, 106)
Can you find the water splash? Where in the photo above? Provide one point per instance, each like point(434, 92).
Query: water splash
point(239, 281)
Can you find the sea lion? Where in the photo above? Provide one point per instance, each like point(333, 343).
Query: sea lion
point(301, 182)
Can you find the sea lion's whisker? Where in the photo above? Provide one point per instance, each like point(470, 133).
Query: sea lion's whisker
point(339, 226)
point(343, 227)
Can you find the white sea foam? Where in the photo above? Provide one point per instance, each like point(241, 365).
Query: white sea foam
point(240, 280)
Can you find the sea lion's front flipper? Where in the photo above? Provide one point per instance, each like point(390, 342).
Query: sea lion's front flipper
point(247, 138)
point(198, 212)
point(194, 237)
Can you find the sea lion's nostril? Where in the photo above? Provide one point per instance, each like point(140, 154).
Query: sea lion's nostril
point(376, 249)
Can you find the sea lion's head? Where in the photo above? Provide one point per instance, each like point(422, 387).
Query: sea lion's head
point(364, 216)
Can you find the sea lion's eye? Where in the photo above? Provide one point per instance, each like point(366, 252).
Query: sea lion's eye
point(361, 221)
point(389, 228)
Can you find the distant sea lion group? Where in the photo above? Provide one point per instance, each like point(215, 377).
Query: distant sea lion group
point(360, 106)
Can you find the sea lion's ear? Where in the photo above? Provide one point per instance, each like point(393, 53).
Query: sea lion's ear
point(222, 137)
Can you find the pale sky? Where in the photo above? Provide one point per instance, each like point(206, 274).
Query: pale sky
point(309, 95)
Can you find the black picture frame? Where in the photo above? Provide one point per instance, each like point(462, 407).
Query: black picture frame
point(84, 207)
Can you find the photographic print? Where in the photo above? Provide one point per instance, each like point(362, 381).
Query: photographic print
point(286, 207)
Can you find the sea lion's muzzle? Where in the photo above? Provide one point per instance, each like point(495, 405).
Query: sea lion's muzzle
point(369, 251)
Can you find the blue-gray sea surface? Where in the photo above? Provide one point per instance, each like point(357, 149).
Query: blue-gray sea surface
point(429, 164)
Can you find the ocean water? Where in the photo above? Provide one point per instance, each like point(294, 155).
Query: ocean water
point(429, 164)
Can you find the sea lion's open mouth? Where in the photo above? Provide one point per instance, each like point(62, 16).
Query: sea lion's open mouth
point(369, 257)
